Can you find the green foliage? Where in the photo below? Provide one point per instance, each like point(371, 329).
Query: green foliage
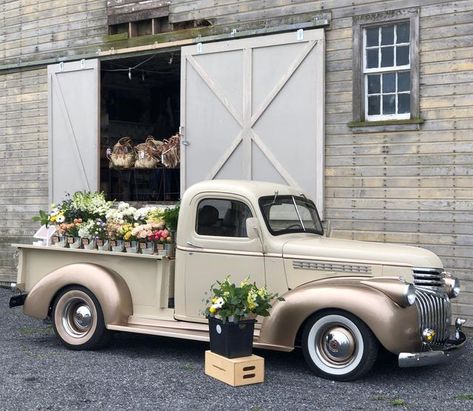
point(85, 205)
point(170, 216)
point(230, 302)
point(398, 402)
point(43, 218)
point(464, 397)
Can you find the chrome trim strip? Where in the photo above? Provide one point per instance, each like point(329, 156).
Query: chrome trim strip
point(343, 260)
point(333, 267)
point(226, 252)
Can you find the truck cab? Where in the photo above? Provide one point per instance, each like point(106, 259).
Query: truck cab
point(343, 299)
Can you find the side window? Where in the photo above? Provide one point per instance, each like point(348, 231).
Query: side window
point(223, 218)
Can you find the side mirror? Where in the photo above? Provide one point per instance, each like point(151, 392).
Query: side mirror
point(252, 228)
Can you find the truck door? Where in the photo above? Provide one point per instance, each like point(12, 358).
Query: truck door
point(218, 246)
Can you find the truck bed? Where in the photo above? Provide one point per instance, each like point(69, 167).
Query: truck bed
point(150, 278)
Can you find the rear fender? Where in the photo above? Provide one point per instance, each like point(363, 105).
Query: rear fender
point(108, 287)
point(395, 327)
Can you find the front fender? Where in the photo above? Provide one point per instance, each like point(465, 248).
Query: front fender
point(395, 327)
point(108, 287)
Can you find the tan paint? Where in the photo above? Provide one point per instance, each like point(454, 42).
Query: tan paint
point(395, 327)
point(108, 287)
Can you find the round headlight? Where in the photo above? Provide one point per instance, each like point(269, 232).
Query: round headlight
point(410, 294)
point(456, 288)
point(453, 286)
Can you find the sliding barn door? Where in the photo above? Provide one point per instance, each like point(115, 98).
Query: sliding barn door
point(254, 109)
point(73, 128)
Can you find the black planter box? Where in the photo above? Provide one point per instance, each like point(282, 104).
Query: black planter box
point(231, 340)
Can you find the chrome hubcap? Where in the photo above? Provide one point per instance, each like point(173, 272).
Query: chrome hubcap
point(82, 316)
point(337, 345)
point(77, 318)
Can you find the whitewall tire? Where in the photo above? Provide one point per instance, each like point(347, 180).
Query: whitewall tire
point(78, 319)
point(338, 346)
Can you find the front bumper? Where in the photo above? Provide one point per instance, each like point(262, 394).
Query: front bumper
point(451, 349)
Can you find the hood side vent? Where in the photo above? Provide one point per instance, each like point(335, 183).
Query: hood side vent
point(334, 267)
point(428, 277)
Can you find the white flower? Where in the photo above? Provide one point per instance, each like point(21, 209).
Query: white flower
point(60, 219)
point(123, 206)
point(54, 211)
point(219, 303)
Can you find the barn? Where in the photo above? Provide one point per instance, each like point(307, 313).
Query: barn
point(365, 104)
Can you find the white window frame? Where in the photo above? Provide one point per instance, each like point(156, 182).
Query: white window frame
point(360, 122)
point(382, 70)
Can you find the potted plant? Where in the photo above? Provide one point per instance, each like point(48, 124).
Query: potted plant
point(129, 240)
point(232, 312)
point(71, 232)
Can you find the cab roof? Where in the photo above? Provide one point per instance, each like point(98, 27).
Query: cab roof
point(252, 190)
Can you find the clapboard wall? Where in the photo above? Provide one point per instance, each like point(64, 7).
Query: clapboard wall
point(413, 187)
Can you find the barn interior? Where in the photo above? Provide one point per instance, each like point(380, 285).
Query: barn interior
point(140, 97)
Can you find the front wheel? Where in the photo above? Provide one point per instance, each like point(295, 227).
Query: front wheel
point(339, 346)
point(78, 319)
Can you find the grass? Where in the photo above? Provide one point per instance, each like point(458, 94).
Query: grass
point(36, 330)
point(464, 397)
point(398, 402)
point(188, 367)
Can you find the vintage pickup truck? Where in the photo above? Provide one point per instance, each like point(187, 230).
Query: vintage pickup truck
point(343, 299)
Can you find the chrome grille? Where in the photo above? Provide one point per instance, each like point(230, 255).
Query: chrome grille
point(434, 312)
point(428, 277)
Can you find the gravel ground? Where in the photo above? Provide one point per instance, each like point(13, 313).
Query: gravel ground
point(144, 372)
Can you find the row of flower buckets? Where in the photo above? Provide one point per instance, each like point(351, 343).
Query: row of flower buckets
point(143, 247)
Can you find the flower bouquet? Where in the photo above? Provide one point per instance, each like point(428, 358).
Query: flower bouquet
point(71, 232)
point(90, 232)
point(231, 312)
point(129, 240)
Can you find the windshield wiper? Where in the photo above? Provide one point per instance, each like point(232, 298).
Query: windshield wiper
point(298, 214)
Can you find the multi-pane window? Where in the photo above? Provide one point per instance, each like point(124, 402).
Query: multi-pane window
point(387, 71)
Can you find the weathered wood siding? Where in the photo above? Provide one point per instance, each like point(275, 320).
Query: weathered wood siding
point(412, 187)
point(36, 30)
point(23, 159)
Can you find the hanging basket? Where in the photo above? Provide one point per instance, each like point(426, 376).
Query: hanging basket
point(231, 340)
point(123, 154)
point(171, 153)
point(148, 154)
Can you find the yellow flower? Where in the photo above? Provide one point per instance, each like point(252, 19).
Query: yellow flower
point(262, 292)
point(212, 310)
point(246, 281)
point(127, 236)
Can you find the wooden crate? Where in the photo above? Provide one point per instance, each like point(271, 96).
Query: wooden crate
point(235, 371)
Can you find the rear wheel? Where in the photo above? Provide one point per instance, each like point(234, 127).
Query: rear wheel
point(78, 319)
point(339, 346)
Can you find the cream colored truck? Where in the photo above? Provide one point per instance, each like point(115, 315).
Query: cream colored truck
point(343, 299)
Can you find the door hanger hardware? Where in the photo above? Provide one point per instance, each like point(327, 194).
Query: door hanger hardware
point(300, 34)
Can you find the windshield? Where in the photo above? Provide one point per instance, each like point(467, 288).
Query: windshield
point(290, 214)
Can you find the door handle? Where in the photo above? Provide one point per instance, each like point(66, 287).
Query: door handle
point(193, 245)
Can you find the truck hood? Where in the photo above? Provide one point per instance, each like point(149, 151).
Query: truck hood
point(333, 249)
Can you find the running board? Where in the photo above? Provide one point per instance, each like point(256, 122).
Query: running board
point(196, 335)
point(186, 334)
